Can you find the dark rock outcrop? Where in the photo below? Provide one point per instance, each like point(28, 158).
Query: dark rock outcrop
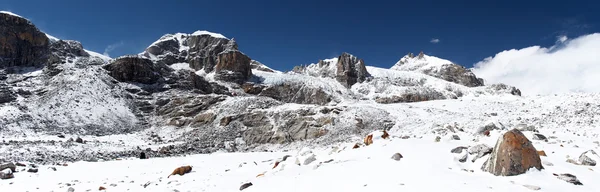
point(457, 74)
point(21, 43)
point(569, 178)
point(513, 155)
point(136, 69)
point(350, 70)
point(6, 94)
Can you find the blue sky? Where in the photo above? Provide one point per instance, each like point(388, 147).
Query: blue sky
point(284, 34)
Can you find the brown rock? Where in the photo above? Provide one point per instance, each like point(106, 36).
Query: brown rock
point(181, 171)
point(276, 164)
point(542, 153)
point(356, 146)
point(385, 135)
point(513, 154)
point(101, 188)
point(233, 66)
point(369, 139)
point(21, 43)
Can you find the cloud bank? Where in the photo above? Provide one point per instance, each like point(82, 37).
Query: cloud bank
point(434, 41)
point(572, 65)
point(112, 47)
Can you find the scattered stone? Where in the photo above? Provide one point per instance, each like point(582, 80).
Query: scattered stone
point(145, 185)
point(355, 146)
point(245, 185)
point(532, 187)
point(104, 188)
point(573, 162)
point(79, 140)
point(589, 158)
point(20, 164)
point(494, 114)
point(71, 189)
point(569, 178)
point(310, 159)
point(455, 137)
point(143, 155)
point(397, 156)
point(61, 136)
point(537, 136)
point(463, 157)
point(513, 155)
point(113, 185)
point(438, 138)
point(368, 140)
point(32, 170)
point(6, 174)
point(458, 149)
point(487, 128)
point(542, 153)
point(52, 168)
point(328, 161)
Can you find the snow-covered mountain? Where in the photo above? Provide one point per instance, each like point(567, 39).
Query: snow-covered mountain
point(199, 93)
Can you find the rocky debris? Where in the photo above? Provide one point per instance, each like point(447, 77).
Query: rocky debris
point(233, 66)
point(532, 187)
point(525, 127)
point(143, 155)
point(397, 156)
point(245, 185)
point(537, 136)
point(438, 138)
point(480, 150)
point(458, 149)
point(503, 88)
point(455, 137)
point(10, 166)
point(137, 70)
point(569, 178)
point(6, 94)
point(513, 155)
point(79, 140)
point(52, 168)
point(305, 156)
point(350, 70)
point(485, 130)
point(413, 95)
point(22, 44)
point(71, 189)
point(589, 158)
point(32, 170)
point(101, 188)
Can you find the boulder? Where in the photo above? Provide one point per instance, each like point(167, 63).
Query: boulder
point(350, 70)
point(589, 158)
point(6, 174)
point(480, 150)
point(233, 66)
point(245, 185)
point(455, 137)
point(21, 43)
point(458, 149)
point(537, 136)
point(136, 69)
point(513, 154)
point(10, 166)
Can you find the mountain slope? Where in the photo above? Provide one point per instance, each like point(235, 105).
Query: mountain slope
point(439, 68)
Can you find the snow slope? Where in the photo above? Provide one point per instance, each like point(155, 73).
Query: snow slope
point(419, 63)
point(426, 166)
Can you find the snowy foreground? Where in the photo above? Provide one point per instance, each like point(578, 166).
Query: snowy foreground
point(426, 166)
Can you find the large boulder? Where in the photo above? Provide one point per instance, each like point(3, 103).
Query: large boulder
point(136, 69)
point(513, 154)
point(21, 43)
point(233, 66)
point(350, 70)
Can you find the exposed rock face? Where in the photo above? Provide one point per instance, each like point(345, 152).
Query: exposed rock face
point(21, 43)
point(259, 66)
point(513, 155)
point(290, 93)
point(200, 50)
point(350, 70)
point(424, 94)
point(6, 95)
point(457, 74)
point(136, 69)
point(68, 48)
point(189, 80)
point(233, 66)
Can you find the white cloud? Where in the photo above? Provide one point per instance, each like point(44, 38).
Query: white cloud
point(112, 47)
point(569, 66)
point(562, 38)
point(434, 41)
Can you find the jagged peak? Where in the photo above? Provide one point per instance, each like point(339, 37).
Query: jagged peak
point(422, 59)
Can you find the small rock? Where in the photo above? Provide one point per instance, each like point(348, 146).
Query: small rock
point(285, 158)
point(547, 163)
point(245, 185)
point(573, 162)
point(52, 168)
point(455, 137)
point(61, 136)
point(463, 157)
point(438, 138)
point(10, 166)
point(20, 164)
point(32, 170)
point(143, 155)
point(148, 149)
point(104, 188)
point(589, 158)
point(79, 140)
point(458, 149)
point(310, 159)
point(328, 161)
point(71, 189)
point(113, 185)
point(569, 178)
point(397, 156)
point(494, 114)
point(532, 187)
point(537, 136)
